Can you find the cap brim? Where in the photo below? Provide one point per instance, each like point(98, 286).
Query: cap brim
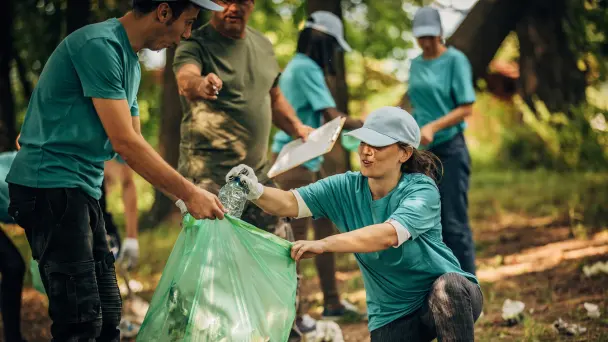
point(344, 44)
point(426, 31)
point(208, 4)
point(372, 138)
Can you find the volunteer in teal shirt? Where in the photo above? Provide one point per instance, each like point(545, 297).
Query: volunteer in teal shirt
point(441, 93)
point(303, 84)
point(389, 215)
point(63, 144)
point(83, 108)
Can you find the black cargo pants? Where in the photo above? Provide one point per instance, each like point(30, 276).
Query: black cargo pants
point(66, 233)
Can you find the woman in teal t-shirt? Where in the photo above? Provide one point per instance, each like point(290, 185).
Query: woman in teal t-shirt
point(303, 84)
point(440, 90)
point(389, 215)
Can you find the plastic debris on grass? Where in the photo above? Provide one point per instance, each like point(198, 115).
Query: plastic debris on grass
point(598, 267)
point(593, 310)
point(562, 327)
point(512, 311)
point(326, 331)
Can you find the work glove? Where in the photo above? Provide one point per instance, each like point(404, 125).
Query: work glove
point(248, 180)
point(129, 253)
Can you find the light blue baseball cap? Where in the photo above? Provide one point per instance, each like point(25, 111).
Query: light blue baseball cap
point(427, 23)
point(387, 126)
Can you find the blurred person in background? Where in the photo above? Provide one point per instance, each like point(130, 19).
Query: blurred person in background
point(441, 93)
point(12, 266)
point(304, 86)
point(117, 171)
point(227, 75)
point(82, 112)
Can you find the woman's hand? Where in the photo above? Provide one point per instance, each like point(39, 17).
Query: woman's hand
point(427, 132)
point(304, 249)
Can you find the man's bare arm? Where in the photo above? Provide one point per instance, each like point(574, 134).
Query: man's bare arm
point(136, 123)
point(194, 86)
point(143, 159)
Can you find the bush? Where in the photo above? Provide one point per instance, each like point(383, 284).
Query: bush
point(556, 141)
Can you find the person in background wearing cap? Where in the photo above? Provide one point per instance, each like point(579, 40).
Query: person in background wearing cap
point(304, 86)
point(441, 93)
point(82, 111)
point(390, 217)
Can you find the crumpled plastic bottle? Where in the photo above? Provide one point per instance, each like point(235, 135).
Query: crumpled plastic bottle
point(234, 197)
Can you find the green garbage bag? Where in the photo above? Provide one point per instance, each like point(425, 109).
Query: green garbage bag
point(225, 280)
point(36, 280)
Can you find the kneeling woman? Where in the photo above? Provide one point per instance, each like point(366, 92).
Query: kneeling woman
point(390, 217)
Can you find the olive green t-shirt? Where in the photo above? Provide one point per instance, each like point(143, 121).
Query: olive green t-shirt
point(234, 129)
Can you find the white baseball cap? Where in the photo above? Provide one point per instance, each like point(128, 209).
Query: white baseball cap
point(206, 4)
point(427, 23)
point(387, 126)
point(330, 24)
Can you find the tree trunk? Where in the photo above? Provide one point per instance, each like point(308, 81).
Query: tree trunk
point(168, 141)
point(485, 28)
point(8, 132)
point(548, 68)
point(338, 160)
point(78, 14)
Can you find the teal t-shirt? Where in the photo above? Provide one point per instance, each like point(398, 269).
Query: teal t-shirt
point(63, 143)
point(397, 280)
point(437, 86)
point(6, 159)
point(303, 84)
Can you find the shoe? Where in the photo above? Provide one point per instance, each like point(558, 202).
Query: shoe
point(306, 324)
point(347, 313)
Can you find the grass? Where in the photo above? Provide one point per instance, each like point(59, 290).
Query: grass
point(507, 198)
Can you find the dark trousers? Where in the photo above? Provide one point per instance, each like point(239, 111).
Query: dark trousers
point(66, 233)
point(453, 188)
point(12, 268)
point(108, 220)
point(448, 314)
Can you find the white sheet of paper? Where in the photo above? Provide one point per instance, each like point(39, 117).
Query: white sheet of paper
point(297, 152)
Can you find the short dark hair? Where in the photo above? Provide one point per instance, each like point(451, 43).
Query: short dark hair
point(320, 47)
point(178, 7)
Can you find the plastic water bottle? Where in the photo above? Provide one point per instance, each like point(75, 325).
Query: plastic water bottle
point(233, 197)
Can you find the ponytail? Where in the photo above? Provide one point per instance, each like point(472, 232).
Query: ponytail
point(423, 162)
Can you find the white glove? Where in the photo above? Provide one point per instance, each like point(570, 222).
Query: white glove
point(129, 253)
point(248, 180)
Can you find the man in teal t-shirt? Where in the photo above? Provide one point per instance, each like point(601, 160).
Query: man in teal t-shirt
point(84, 108)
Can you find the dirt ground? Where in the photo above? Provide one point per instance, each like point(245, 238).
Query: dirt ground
point(530, 261)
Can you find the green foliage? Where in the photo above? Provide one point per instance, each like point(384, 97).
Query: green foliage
point(571, 197)
point(556, 141)
point(585, 27)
